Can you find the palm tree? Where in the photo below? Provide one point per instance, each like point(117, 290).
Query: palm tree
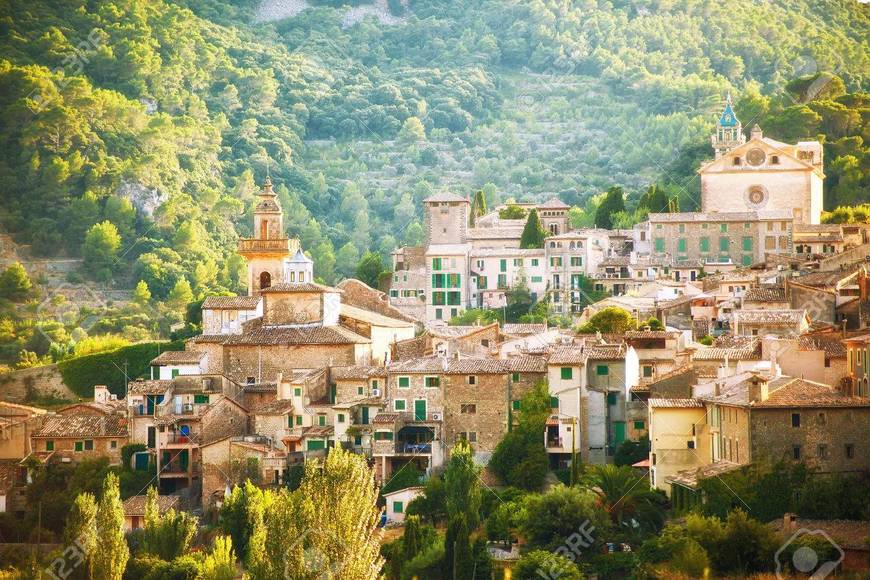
point(633, 506)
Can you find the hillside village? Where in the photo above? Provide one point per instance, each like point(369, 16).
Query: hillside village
point(748, 344)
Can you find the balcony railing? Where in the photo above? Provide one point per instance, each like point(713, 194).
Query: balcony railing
point(554, 443)
point(253, 245)
point(417, 448)
point(179, 439)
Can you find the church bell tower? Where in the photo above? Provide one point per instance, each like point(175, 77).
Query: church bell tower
point(267, 250)
point(729, 131)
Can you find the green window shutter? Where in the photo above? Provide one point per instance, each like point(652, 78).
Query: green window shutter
point(359, 391)
point(705, 244)
point(297, 391)
point(436, 263)
point(399, 405)
point(746, 260)
point(515, 377)
point(515, 405)
point(554, 402)
point(611, 398)
point(724, 244)
point(602, 370)
point(647, 372)
point(357, 440)
point(341, 417)
point(404, 382)
point(660, 244)
point(175, 373)
point(299, 420)
point(567, 373)
point(289, 420)
point(534, 262)
point(200, 399)
point(639, 425)
point(398, 507)
point(723, 228)
point(747, 244)
point(321, 420)
point(49, 445)
point(681, 245)
point(80, 446)
point(502, 266)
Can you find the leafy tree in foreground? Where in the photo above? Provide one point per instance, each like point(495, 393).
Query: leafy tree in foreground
point(519, 458)
point(100, 250)
point(609, 320)
point(220, 564)
point(110, 552)
point(462, 484)
point(543, 564)
point(168, 535)
point(81, 529)
point(549, 518)
point(533, 232)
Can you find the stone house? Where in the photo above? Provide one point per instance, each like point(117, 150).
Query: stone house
point(659, 352)
point(858, 365)
point(383, 331)
point(134, 509)
point(763, 322)
point(78, 437)
point(17, 425)
point(674, 428)
point(792, 419)
point(819, 359)
point(228, 314)
point(172, 363)
point(765, 298)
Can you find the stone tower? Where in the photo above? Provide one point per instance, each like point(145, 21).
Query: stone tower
point(446, 219)
point(729, 131)
point(267, 250)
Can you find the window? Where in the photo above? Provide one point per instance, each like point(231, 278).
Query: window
point(681, 245)
point(647, 371)
point(89, 445)
point(682, 228)
point(439, 280)
point(723, 228)
point(481, 282)
point(321, 420)
point(297, 391)
point(49, 445)
point(660, 244)
point(515, 377)
point(602, 370)
point(398, 507)
point(821, 419)
point(724, 244)
point(850, 450)
point(468, 409)
point(438, 314)
point(555, 261)
point(747, 244)
point(518, 262)
point(736, 161)
point(404, 382)
point(611, 399)
point(394, 293)
point(436, 263)
point(298, 420)
point(200, 399)
point(537, 279)
point(566, 373)
point(576, 261)
point(383, 435)
point(502, 265)
point(340, 418)
point(470, 436)
point(472, 380)
point(554, 402)
point(360, 391)
point(515, 405)
point(639, 425)
point(822, 451)
point(432, 382)
point(746, 260)
point(774, 159)
point(795, 419)
point(704, 243)
point(113, 444)
point(80, 446)
point(534, 262)
point(399, 405)
point(502, 280)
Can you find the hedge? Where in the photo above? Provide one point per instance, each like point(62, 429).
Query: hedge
point(81, 373)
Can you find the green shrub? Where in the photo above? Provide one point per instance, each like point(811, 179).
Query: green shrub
point(542, 564)
point(81, 373)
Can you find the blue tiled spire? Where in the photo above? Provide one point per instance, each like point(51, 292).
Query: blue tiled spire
point(728, 118)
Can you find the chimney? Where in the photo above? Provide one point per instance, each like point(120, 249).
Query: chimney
point(717, 387)
point(789, 522)
point(101, 394)
point(721, 371)
point(757, 388)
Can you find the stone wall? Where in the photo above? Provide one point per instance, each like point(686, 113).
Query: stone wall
point(773, 437)
point(23, 385)
point(265, 362)
point(489, 397)
point(293, 308)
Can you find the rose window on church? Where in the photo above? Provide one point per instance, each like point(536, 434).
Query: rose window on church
point(755, 197)
point(755, 157)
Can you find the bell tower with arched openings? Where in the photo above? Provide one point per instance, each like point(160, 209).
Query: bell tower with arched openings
point(268, 249)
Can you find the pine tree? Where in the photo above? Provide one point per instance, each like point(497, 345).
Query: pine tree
point(462, 484)
point(142, 295)
point(110, 551)
point(533, 233)
point(411, 541)
point(181, 295)
point(478, 207)
point(15, 284)
point(614, 202)
point(100, 250)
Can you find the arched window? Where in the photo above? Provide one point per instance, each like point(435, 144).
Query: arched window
point(554, 229)
point(264, 229)
point(265, 280)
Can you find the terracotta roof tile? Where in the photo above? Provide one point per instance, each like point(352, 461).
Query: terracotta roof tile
point(691, 477)
point(210, 338)
point(83, 426)
point(450, 366)
point(277, 407)
point(523, 329)
point(525, 364)
point(171, 357)
point(358, 372)
point(148, 387)
point(833, 348)
point(135, 506)
point(231, 303)
point(676, 403)
point(776, 294)
point(769, 317)
point(303, 335)
point(297, 287)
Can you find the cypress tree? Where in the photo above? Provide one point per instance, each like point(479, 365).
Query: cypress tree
point(110, 552)
point(533, 234)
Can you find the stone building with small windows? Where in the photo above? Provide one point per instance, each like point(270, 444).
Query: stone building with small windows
point(78, 437)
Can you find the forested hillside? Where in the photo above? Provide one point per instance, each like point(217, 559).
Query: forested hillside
point(133, 134)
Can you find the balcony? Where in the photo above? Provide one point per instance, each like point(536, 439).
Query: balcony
point(179, 440)
point(176, 469)
point(554, 443)
point(253, 245)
